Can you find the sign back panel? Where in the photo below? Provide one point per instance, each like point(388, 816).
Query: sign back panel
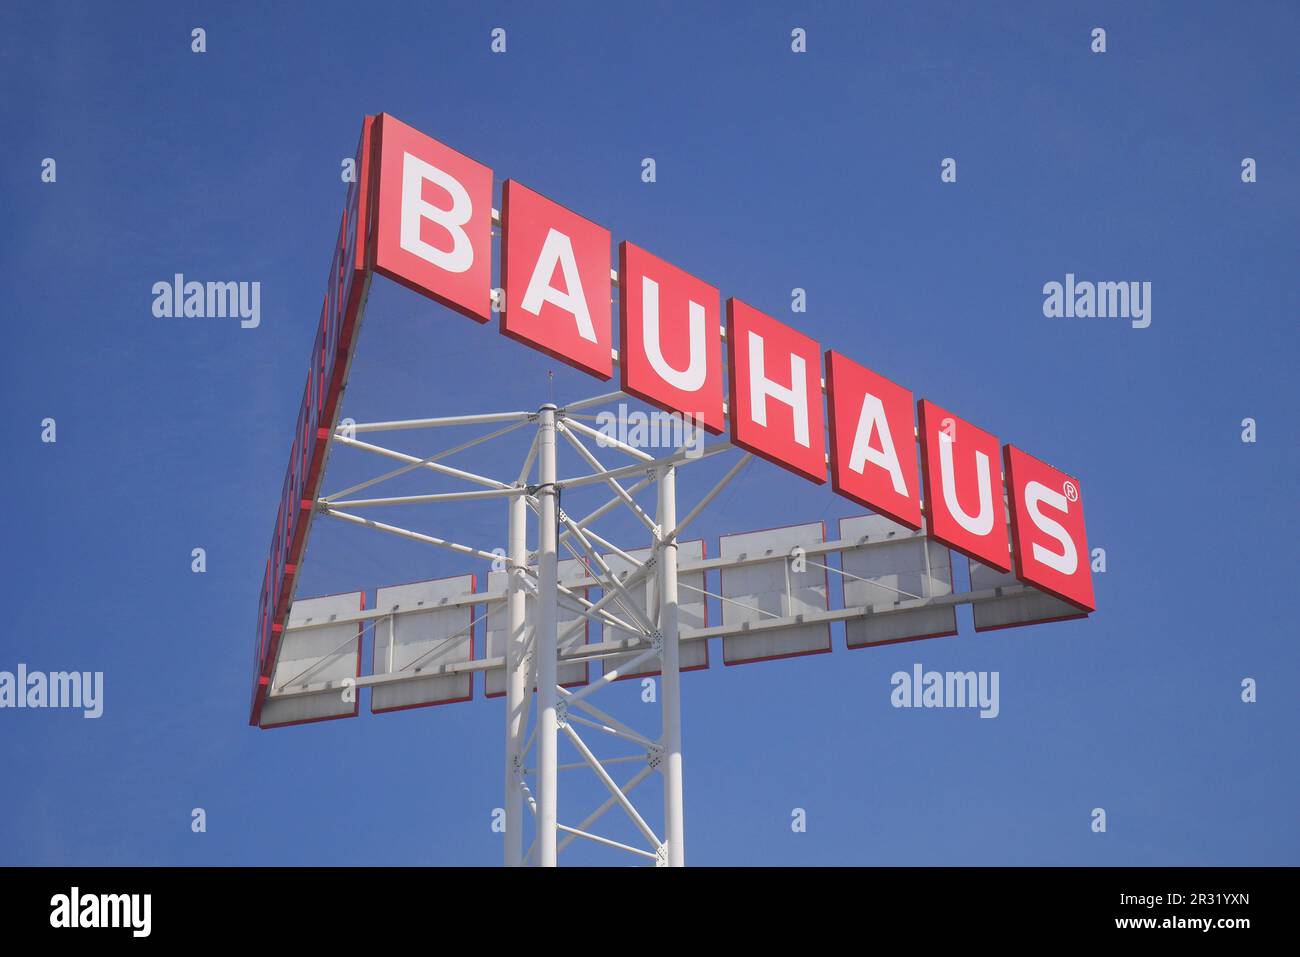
point(315, 655)
point(1025, 606)
point(771, 589)
point(894, 559)
point(424, 640)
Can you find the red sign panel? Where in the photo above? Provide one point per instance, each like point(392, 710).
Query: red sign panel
point(775, 392)
point(670, 337)
point(555, 268)
point(1047, 529)
point(873, 451)
point(433, 231)
point(326, 371)
point(963, 490)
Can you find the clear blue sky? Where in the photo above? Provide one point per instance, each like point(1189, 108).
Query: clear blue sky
point(775, 170)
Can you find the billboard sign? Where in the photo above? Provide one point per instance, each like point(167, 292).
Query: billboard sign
point(420, 213)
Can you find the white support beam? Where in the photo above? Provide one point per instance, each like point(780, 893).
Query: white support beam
point(608, 719)
point(712, 494)
point(608, 507)
point(606, 543)
point(671, 698)
point(610, 441)
point(416, 462)
point(618, 489)
point(584, 607)
point(600, 812)
point(615, 791)
point(612, 675)
point(406, 533)
point(485, 419)
point(604, 600)
point(612, 731)
point(595, 400)
point(682, 455)
point(608, 579)
point(445, 453)
point(528, 463)
point(433, 498)
point(577, 832)
point(546, 641)
point(517, 697)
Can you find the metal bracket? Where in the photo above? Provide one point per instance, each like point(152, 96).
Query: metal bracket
point(654, 756)
point(661, 855)
point(657, 642)
point(561, 714)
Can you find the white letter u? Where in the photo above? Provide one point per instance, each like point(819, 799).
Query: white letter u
point(980, 524)
point(692, 378)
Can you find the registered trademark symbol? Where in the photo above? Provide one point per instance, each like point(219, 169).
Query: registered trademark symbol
point(1071, 491)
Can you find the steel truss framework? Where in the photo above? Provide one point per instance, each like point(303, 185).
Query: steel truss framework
point(535, 720)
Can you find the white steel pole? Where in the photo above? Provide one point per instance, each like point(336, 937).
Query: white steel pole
point(545, 640)
point(517, 692)
point(675, 835)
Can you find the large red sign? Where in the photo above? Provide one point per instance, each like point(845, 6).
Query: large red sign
point(1047, 529)
point(963, 487)
point(421, 214)
point(555, 267)
point(434, 220)
point(873, 453)
point(776, 392)
point(671, 336)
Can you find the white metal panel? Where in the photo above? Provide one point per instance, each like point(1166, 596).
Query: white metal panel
point(570, 674)
point(692, 610)
point(893, 558)
point(771, 589)
point(1029, 607)
point(423, 640)
point(316, 655)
